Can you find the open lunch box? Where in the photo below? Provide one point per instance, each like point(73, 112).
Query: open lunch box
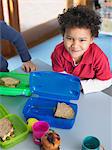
point(20, 128)
point(51, 88)
point(21, 89)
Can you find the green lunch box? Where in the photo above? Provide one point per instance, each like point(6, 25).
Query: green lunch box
point(21, 89)
point(20, 128)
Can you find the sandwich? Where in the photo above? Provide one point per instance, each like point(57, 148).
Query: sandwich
point(6, 129)
point(64, 111)
point(9, 81)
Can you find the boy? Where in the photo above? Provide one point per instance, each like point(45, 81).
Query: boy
point(10, 34)
point(78, 54)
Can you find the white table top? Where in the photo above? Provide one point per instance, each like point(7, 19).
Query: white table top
point(94, 117)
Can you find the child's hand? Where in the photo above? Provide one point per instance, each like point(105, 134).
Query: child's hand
point(29, 66)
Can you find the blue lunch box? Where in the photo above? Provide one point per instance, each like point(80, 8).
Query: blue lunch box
point(48, 89)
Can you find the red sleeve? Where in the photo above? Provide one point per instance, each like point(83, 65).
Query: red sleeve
point(102, 68)
point(56, 58)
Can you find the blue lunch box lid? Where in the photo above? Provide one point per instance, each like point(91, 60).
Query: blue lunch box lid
point(55, 85)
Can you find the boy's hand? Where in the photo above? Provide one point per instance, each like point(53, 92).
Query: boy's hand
point(29, 66)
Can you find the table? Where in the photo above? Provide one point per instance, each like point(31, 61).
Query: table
point(42, 66)
point(94, 117)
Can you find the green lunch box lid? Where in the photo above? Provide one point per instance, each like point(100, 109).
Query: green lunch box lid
point(21, 89)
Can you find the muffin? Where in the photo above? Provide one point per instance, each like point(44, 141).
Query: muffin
point(51, 141)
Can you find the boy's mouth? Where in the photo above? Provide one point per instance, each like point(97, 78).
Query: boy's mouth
point(72, 50)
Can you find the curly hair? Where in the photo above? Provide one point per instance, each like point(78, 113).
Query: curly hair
point(80, 17)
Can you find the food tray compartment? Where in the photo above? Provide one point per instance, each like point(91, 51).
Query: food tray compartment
point(44, 109)
point(20, 131)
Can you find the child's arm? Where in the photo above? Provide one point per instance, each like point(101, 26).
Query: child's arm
point(10, 34)
point(28, 66)
point(95, 85)
point(102, 78)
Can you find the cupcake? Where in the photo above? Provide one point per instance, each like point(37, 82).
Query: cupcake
point(51, 141)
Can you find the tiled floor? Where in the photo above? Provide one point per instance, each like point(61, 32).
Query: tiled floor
point(43, 52)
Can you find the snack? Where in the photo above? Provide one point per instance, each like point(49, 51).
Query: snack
point(6, 129)
point(51, 141)
point(9, 81)
point(30, 122)
point(64, 111)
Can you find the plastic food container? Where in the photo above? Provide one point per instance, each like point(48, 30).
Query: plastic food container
point(21, 89)
point(20, 128)
point(51, 88)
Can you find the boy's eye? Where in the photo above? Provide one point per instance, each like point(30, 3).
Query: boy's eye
point(82, 40)
point(68, 38)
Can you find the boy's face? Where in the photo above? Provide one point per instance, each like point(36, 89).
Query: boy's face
point(77, 41)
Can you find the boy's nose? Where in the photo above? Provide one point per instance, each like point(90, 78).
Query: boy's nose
point(75, 43)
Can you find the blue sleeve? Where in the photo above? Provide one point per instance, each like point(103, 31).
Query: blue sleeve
point(10, 34)
point(3, 64)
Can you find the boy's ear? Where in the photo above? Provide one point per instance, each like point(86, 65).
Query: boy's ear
point(92, 39)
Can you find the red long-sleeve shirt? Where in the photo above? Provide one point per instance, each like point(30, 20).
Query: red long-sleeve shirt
point(94, 63)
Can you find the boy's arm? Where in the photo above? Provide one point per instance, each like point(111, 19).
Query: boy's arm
point(28, 66)
point(10, 34)
point(95, 85)
point(103, 76)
